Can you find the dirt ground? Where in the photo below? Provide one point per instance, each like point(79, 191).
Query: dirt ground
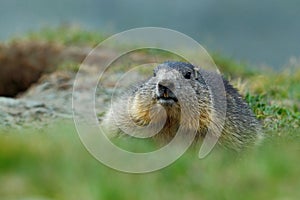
point(34, 90)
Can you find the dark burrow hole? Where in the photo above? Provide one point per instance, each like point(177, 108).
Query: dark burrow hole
point(22, 64)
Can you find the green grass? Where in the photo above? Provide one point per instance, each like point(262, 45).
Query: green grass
point(275, 117)
point(65, 35)
point(54, 165)
point(232, 68)
point(69, 66)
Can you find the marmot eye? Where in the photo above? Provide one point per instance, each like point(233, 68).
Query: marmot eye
point(187, 75)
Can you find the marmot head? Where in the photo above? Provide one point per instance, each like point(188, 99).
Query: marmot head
point(170, 78)
point(175, 94)
point(174, 86)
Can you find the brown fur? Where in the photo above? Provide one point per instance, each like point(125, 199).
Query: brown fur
point(241, 129)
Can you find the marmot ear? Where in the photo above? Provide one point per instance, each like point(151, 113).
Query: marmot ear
point(196, 73)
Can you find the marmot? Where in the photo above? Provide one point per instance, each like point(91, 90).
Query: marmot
point(131, 113)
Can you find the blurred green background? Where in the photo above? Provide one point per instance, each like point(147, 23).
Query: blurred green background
point(54, 165)
point(261, 32)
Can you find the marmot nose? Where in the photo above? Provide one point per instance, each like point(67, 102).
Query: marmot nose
point(166, 84)
point(164, 89)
